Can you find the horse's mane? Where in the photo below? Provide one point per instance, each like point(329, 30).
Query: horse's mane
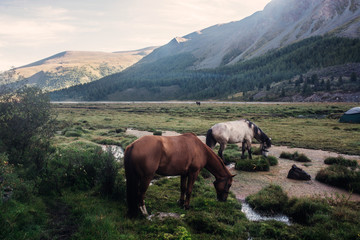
point(258, 133)
point(214, 155)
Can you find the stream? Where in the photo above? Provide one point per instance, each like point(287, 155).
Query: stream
point(252, 215)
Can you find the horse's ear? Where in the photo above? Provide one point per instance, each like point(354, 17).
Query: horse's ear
point(233, 175)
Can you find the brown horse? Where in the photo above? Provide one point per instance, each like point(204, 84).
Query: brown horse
point(183, 155)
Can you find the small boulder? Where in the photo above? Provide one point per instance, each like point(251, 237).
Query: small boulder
point(298, 174)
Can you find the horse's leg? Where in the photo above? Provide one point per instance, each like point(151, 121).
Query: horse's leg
point(191, 180)
point(144, 184)
point(248, 143)
point(182, 189)
point(243, 149)
point(221, 150)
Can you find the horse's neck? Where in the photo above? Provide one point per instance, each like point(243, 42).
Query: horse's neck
point(258, 136)
point(216, 167)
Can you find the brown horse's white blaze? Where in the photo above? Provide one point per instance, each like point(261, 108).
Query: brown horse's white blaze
point(235, 132)
point(183, 155)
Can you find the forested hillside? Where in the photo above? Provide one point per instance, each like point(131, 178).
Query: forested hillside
point(170, 78)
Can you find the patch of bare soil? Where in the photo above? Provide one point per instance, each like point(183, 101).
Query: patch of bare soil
point(247, 183)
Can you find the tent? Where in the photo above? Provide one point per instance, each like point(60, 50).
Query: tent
point(351, 116)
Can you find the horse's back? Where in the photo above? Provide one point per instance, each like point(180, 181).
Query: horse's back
point(165, 155)
point(232, 131)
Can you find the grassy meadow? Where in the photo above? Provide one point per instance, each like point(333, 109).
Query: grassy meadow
point(307, 125)
point(73, 199)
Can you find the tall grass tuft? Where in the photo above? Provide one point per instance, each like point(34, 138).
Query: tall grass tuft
point(270, 199)
point(340, 176)
point(341, 161)
point(299, 157)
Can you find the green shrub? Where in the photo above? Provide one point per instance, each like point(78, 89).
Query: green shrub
point(340, 176)
point(80, 166)
point(341, 161)
point(270, 199)
point(295, 156)
point(286, 155)
point(120, 130)
point(302, 210)
point(73, 134)
point(258, 163)
point(273, 161)
point(106, 141)
point(23, 220)
point(203, 223)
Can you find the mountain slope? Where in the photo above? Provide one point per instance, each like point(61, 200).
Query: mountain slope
point(166, 78)
point(71, 68)
point(282, 22)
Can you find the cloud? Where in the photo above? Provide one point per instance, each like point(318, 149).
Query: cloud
point(34, 25)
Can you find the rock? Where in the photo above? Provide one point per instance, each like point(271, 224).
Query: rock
point(298, 174)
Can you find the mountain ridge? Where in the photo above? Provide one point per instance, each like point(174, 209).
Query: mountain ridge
point(69, 68)
point(281, 23)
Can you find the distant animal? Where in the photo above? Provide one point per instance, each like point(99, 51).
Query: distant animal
point(198, 103)
point(183, 155)
point(298, 174)
point(241, 131)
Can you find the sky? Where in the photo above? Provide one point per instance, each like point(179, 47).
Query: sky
point(31, 30)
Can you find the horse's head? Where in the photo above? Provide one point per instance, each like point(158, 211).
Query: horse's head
point(265, 146)
point(222, 187)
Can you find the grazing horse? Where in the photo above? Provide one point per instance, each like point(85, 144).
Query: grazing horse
point(198, 103)
point(235, 132)
point(183, 155)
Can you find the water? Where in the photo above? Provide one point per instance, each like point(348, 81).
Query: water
point(117, 151)
point(251, 215)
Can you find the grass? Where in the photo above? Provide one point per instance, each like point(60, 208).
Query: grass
point(341, 161)
point(340, 176)
point(298, 157)
point(99, 216)
point(281, 122)
point(270, 199)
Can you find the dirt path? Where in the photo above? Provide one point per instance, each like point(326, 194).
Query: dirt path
point(61, 225)
point(247, 183)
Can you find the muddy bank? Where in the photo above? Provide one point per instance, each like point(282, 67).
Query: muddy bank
point(247, 183)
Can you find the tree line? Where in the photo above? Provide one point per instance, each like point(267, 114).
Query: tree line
point(247, 75)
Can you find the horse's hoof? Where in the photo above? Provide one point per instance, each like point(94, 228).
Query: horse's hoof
point(181, 203)
point(186, 207)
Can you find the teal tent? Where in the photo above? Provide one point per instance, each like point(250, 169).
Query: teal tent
point(351, 116)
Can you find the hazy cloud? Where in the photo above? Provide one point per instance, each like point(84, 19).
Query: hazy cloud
point(32, 29)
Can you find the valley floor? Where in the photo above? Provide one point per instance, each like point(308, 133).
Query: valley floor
point(247, 183)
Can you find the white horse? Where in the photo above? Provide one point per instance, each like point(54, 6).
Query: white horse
point(235, 132)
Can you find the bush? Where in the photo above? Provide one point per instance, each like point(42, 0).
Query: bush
point(203, 223)
point(341, 161)
point(258, 163)
point(340, 176)
point(270, 199)
point(73, 134)
point(295, 156)
point(301, 210)
point(26, 122)
point(273, 161)
point(81, 166)
point(157, 133)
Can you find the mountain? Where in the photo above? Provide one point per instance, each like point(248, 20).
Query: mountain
point(237, 60)
point(282, 22)
point(71, 68)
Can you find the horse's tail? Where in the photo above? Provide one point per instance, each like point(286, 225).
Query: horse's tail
point(210, 140)
point(132, 183)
